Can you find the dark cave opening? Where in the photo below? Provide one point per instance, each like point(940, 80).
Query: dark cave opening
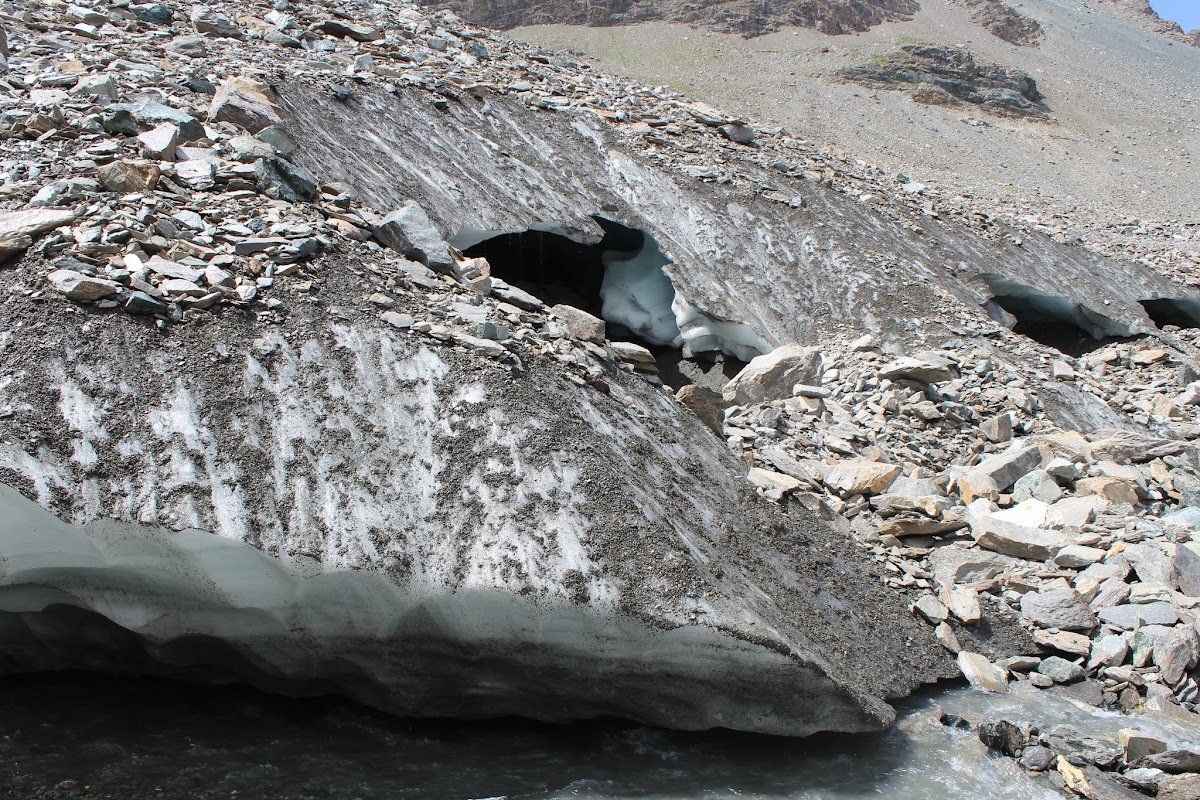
point(1181, 312)
point(555, 268)
point(1071, 328)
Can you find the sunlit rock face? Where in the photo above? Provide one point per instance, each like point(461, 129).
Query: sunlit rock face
point(335, 505)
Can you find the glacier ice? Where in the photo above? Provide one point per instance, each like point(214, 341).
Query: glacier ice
point(639, 295)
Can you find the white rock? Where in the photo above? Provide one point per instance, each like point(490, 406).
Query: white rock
point(981, 673)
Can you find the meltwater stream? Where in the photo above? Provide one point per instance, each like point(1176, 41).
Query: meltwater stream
point(141, 738)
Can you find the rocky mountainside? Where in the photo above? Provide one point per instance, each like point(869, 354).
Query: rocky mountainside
point(743, 17)
point(1143, 14)
point(363, 349)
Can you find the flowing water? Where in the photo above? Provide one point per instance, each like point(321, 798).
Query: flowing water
point(142, 738)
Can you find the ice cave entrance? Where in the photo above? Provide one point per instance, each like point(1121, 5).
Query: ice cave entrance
point(619, 278)
point(1180, 312)
point(1071, 328)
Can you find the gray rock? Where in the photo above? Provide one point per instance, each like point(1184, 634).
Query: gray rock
point(1037, 758)
point(981, 673)
point(1112, 592)
point(131, 119)
point(153, 13)
point(1150, 563)
point(98, 86)
point(708, 406)
point(1177, 653)
point(1058, 608)
point(208, 21)
point(1179, 787)
point(143, 304)
point(1069, 742)
point(1076, 556)
point(771, 376)
point(1173, 762)
point(1186, 568)
point(998, 428)
point(1108, 651)
point(741, 134)
point(921, 370)
point(283, 180)
point(409, 231)
point(1060, 670)
point(931, 609)
point(951, 565)
point(1018, 541)
point(278, 139)
point(581, 325)
point(998, 473)
point(19, 225)
point(81, 288)
point(245, 102)
point(1003, 736)
point(1037, 485)
point(1128, 616)
point(1139, 745)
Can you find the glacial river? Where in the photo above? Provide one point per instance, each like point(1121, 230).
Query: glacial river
point(89, 736)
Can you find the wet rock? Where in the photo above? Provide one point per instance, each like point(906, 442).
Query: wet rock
point(1138, 745)
point(245, 102)
point(1179, 787)
point(1173, 762)
point(1060, 670)
point(1093, 784)
point(981, 673)
point(1003, 736)
point(1037, 758)
point(1058, 608)
point(772, 376)
point(1078, 747)
point(408, 231)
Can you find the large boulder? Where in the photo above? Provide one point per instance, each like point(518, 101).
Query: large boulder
point(409, 231)
point(772, 376)
point(245, 102)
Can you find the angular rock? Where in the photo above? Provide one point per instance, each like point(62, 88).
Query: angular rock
point(1058, 608)
point(998, 428)
point(953, 565)
point(1186, 568)
point(143, 304)
point(282, 180)
point(245, 102)
point(1172, 762)
point(79, 287)
point(1077, 556)
point(208, 21)
point(580, 324)
point(1060, 670)
point(128, 176)
point(1129, 616)
point(160, 142)
point(1108, 651)
point(931, 609)
point(1177, 653)
point(409, 231)
point(861, 477)
point(344, 30)
point(705, 404)
point(1138, 744)
point(998, 473)
point(1179, 787)
point(921, 370)
point(772, 376)
point(981, 673)
point(1018, 541)
point(32, 221)
point(775, 485)
point(1003, 736)
point(131, 119)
